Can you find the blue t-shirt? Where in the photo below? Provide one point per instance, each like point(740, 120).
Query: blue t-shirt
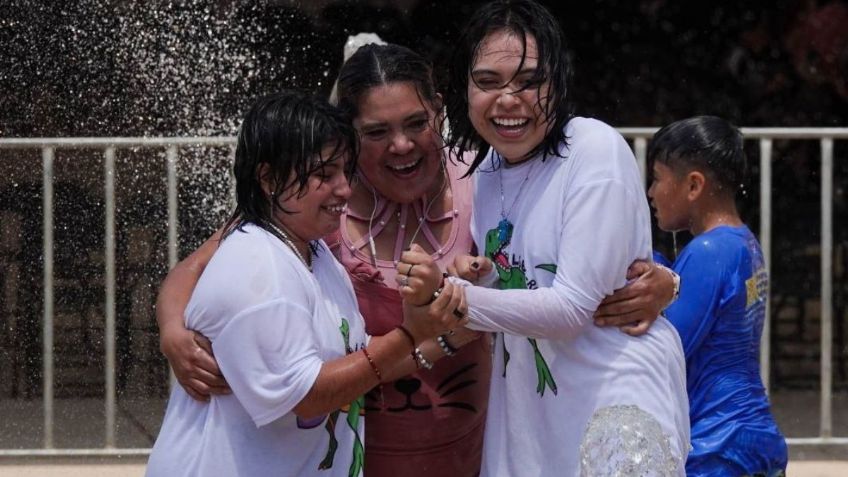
point(719, 316)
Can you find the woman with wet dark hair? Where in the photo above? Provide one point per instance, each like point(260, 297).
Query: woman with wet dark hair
point(281, 315)
point(555, 105)
point(409, 193)
point(559, 215)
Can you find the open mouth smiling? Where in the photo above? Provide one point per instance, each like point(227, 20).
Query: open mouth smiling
point(510, 122)
point(336, 209)
point(406, 167)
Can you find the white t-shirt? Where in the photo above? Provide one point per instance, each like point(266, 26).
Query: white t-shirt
point(272, 324)
point(573, 392)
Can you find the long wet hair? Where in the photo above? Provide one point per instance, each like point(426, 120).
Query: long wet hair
point(523, 18)
point(287, 131)
point(708, 144)
point(376, 65)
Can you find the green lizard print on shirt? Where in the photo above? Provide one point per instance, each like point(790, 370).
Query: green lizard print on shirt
point(353, 410)
point(514, 277)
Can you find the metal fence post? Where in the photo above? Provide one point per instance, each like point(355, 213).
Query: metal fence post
point(109, 338)
point(765, 244)
point(47, 155)
point(173, 231)
point(826, 287)
point(640, 148)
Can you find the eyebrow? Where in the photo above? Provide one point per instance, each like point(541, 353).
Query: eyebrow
point(373, 125)
point(418, 115)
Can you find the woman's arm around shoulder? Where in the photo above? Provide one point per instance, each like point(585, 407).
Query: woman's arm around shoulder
point(189, 353)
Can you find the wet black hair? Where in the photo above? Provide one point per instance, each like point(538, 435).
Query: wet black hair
point(378, 65)
point(287, 131)
point(523, 18)
point(707, 144)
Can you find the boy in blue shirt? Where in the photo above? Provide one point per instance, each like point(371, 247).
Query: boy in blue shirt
point(698, 164)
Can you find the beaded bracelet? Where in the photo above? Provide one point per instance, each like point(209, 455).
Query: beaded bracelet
point(420, 360)
point(373, 366)
point(446, 347)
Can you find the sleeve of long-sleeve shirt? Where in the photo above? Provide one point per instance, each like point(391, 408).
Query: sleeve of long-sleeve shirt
point(702, 278)
point(596, 247)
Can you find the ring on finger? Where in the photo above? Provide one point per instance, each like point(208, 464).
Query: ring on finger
point(404, 281)
point(458, 314)
point(409, 272)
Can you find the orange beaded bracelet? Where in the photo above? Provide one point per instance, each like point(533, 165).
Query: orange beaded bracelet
point(373, 365)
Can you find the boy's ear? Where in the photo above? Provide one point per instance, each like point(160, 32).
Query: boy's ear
point(696, 182)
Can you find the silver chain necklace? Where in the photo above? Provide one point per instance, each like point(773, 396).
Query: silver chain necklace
point(288, 241)
point(505, 226)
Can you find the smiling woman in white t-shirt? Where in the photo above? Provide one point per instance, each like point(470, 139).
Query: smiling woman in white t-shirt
point(281, 314)
point(559, 213)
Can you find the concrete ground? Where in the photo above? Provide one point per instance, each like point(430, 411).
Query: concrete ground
point(87, 468)
point(80, 424)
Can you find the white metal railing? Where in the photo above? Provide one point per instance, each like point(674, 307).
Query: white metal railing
point(640, 137)
point(48, 147)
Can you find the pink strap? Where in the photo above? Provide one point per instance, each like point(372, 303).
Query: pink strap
point(385, 211)
point(382, 215)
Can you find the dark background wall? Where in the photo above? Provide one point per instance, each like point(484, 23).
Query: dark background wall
point(117, 67)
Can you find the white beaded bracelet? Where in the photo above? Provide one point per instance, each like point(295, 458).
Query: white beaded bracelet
point(446, 347)
point(421, 361)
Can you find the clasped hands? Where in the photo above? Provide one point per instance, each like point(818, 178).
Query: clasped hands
point(433, 306)
point(633, 308)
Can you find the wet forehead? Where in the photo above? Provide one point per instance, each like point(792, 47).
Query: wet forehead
point(390, 102)
point(504, 50)
point(659, 169)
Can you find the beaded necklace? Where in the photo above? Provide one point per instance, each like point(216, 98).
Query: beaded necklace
point(288, 241)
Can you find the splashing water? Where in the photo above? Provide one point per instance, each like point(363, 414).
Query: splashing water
point(187, 68)
point(624, 440)
point(124, 68)
point(108, 67)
